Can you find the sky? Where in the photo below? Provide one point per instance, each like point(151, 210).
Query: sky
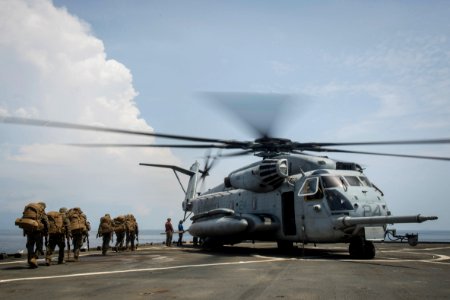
point(359, 70)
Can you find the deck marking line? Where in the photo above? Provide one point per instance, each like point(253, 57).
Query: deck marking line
point(140, 270)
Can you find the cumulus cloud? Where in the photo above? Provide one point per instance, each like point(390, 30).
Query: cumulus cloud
point(53, 67)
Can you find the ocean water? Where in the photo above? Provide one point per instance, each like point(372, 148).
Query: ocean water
point(13, 241)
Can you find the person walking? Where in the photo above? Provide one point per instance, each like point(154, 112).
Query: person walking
point(34, 223)
point(79, 227)
point(119, 230)
point(58, 230)
point(105, 230)
point(132, 231)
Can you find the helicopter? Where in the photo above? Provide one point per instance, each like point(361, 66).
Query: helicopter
point(288, 196)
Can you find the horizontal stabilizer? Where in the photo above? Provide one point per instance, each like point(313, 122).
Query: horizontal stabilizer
point(175, 168)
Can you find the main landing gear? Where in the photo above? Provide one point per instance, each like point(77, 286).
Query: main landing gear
point(361, 249)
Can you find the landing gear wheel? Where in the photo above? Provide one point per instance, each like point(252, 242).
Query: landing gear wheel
point(355, 248)
point(369, 250)
point(361, 249)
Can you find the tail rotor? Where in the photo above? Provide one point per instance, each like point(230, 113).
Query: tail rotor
point(210, 161)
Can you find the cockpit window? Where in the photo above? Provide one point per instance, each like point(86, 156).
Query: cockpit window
point(365, 180)
point(310, 187)
point(337, 201)
point(353, 181)
point(331, 182)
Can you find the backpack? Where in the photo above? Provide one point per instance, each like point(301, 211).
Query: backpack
point(106, 225)
point(130, 223)
point(31, 218)
point(55, 222)
point(77, 220)
point(119, 224)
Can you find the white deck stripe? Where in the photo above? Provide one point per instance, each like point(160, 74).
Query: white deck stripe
point(141, 270)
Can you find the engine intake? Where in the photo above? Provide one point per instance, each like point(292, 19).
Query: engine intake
point(263, 177)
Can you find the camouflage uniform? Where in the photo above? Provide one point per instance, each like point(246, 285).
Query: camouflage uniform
point(120, 237)
point(58, 239)
point(132, 231)
point(105, 230)
point(119, 230)
point(79, 237)
point(35, 238)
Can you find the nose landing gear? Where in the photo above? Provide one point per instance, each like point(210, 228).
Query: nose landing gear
point(359, 248)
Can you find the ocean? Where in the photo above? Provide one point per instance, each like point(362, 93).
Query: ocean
point(12, 241)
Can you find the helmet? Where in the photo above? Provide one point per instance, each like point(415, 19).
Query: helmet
point(63, 210)
point(42, 204)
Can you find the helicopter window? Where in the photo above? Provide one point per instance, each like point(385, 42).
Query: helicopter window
point(310, 187)
point(337, 201)
point(365, 181)
point(353, 181)
point(331, 182)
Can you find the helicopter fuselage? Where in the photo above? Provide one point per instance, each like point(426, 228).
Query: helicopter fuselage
point(276, 200)
point(291, 199)
point(305, 208)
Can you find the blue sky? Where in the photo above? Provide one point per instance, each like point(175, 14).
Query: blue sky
point(362, 70)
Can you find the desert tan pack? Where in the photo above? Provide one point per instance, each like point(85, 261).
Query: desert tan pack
point(130, 222)
point(55, 222)
point(31, 218)
point(77, 220)
point(106, 225)
point(119, 224)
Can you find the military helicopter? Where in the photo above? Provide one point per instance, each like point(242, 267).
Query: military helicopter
point(288, 196)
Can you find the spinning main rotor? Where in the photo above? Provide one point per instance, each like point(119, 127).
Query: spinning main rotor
point(260, 117)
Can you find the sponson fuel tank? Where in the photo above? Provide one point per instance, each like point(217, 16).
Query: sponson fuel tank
point(265, 176)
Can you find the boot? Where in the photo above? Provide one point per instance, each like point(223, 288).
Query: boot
point(61, 260)
point(33, 263)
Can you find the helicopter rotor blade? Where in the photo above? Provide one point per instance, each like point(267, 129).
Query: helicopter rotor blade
point(263, 147)
point(193, 146)
point(405, 142)
point(377, 153)
point(209, 163)
point(258, 111)
point(239, 153)
point(56, 124)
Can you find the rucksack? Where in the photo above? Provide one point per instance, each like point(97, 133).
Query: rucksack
point(55, 222)
point(119, 224)
point(130, 223)
point(106, 225)
point(77, 220)
point(31, 218)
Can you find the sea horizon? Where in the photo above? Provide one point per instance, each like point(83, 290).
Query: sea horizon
point(13, 241)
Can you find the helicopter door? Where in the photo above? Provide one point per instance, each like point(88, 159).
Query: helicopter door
point(288, 213)
point(316, 218)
